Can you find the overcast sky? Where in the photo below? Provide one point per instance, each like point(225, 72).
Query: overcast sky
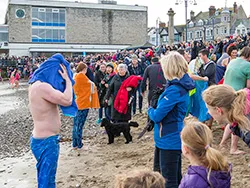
point(159, 8)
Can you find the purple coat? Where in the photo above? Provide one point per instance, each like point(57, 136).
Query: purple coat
point(196, 177)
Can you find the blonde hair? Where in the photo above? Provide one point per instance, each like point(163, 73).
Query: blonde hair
point(174, 65)
point(198, 138)
point(235, 103)
point(140, 179)
point(213, 57)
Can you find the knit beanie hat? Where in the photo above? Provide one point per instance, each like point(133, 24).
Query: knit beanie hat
point(110, 65)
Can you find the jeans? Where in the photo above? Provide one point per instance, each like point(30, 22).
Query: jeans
point(100, 112)
point(46, 152)
point(79, 121)
point(138, 89)
point(108, 112)
point(168, 163)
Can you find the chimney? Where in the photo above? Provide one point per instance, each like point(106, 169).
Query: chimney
point(162, 25)
point(191, 15)
point(211, 11)
point(235, 8)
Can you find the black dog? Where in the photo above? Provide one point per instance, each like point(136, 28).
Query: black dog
point(114, 129)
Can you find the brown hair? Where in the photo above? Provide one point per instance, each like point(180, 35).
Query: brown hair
point(234, 103)
point(198, 138)
point(204, 52)
point(245, 52)
point(81, 66)
point(231, 48)
point(140, 179)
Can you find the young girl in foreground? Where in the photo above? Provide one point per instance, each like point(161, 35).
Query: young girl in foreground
point(209, 168)
point(229, 106)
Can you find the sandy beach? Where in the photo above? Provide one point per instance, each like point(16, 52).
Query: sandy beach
point(97, 164)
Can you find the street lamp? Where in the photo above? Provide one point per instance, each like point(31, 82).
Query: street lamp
point(192, 2)
point(157, 30)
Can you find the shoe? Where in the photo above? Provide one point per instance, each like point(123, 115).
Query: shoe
point(140, 111)
point(98, 121)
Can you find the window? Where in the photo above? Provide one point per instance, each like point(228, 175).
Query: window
point(208, 32)
point(48, 24)
point(197, 34)
point(164, 38)
point(200, 33)
point(191, 24)
point(153, 39)
point(211, 32)
point(200, 22)
point(191, 35)
point(48, 17)
point(225, 18)
point(217, 31)
point(238, 31)
point(243, 31)
point(222, 30)
point(225, 30)
point(48, 35)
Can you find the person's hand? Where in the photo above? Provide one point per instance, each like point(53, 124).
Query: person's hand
point(102, 82)
point(106, 85)
point(129, 88)
point(64, 72)
point(106, 101)
point(205, 78)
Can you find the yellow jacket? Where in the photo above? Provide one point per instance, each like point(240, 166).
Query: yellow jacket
point(86, 92)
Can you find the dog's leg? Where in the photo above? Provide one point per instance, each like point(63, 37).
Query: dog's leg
point(111, 138)
point(130, 137)
point(126, 135)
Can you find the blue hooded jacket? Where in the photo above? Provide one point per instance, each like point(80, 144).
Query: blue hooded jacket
point(196, 177)
point(48, 73)
point(170, 113)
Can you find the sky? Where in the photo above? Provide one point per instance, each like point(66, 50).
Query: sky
point(159, 8)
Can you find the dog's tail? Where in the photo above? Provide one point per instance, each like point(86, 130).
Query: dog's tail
point(133, 124)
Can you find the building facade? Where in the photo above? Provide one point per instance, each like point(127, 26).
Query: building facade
point(158, 36)
point(73, 27)
point(215, 23)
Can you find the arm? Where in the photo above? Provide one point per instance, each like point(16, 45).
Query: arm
point(165, 105)
point(110, 89)
point(248, 84)
point(56, 97)
point(196, 77)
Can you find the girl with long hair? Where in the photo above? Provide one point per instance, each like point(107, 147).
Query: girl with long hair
point(228, 106)
point(209, 168)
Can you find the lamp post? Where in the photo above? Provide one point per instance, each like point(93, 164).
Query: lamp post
point(192, 2)
point(157, 30)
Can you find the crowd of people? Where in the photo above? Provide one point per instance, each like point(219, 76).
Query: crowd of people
point(209, 81)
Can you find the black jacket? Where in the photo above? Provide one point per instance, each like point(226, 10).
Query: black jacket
point(208, 70)
point(100, 87)
point(112, 92)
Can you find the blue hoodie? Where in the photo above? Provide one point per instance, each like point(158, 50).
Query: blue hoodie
point(48, 73)
point(170, 113)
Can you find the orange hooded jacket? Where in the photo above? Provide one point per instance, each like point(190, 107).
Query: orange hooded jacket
point(86, 92)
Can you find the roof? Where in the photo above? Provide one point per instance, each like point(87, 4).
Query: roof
point(205, 15)
point(76, 4)
point(245, 22)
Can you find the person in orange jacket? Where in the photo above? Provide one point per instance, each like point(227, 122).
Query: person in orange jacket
point(86, 98)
